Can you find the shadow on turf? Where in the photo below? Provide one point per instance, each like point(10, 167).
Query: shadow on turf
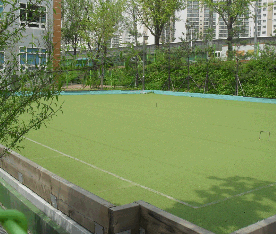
point(232, 212)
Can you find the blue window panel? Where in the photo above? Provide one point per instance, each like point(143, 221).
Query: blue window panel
point(32, 56)
point(32, 50)
point(1, 60)
point(1, 57)
point(22, 55)
point(22, 58)
point(33, 59)
point(43, 50)
point(1, 6)
point(43, 59)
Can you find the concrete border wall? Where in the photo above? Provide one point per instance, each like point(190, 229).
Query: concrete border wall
point(266, 226)
point(100, 216)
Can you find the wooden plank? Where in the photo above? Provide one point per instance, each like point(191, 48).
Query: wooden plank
point(76, 216)
point(34, 177)
point(125, 218)
point(155, 220)
point(81, 201)
point(10, 169)
point(81, 205)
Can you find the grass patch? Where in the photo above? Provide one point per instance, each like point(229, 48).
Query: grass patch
point(203, 152)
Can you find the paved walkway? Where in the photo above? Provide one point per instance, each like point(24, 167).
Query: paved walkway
point(81, 87)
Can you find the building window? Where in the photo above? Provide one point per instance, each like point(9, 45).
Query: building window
point(32, 57)
point(264, 9)
point(32, 15)
point(264, 15)
point(2, 60)
point(1, 6)
point(263, 32)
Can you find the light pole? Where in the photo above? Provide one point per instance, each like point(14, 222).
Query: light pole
point(145, 37)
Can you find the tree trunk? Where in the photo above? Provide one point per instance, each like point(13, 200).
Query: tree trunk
point(207, 78)
point(103, 65)
point(230, 39)
point(169, 65)
point(136, 44)
point(157, 40)
point(237, 77)
point(75, 44)
point(157, 36)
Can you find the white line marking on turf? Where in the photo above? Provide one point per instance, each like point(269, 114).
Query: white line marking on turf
point(152, 190)
point(119, 177)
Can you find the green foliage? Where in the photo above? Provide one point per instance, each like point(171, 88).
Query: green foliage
point(257, 75)
point(28, 93)
point(232, 13)
point(154, 14)
point(72, 22)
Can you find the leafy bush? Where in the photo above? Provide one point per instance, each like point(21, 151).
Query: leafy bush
point(171, 69)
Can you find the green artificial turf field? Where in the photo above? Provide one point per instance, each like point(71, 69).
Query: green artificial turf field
point(200, 159)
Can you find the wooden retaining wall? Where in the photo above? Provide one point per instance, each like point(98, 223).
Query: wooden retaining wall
point(92, 212)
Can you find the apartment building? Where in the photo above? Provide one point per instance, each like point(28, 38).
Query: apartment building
point(266, 15)
point(195, 20)
point(40, 22)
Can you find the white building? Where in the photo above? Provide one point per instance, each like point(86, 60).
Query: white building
point(38, 21)
point(198, 17)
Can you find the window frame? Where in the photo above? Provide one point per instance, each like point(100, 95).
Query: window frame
point(27, 64)
point(42, 19)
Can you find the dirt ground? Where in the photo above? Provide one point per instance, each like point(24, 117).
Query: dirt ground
point(72, 87)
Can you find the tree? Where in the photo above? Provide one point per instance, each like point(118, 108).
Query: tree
point(103, 21)
point(131, 23)
point(154, 14)
point(73, 14)
point(28, 88)
point(230, 12)
point(132, 29)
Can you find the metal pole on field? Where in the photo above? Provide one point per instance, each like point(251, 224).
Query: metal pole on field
point(145, 37)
